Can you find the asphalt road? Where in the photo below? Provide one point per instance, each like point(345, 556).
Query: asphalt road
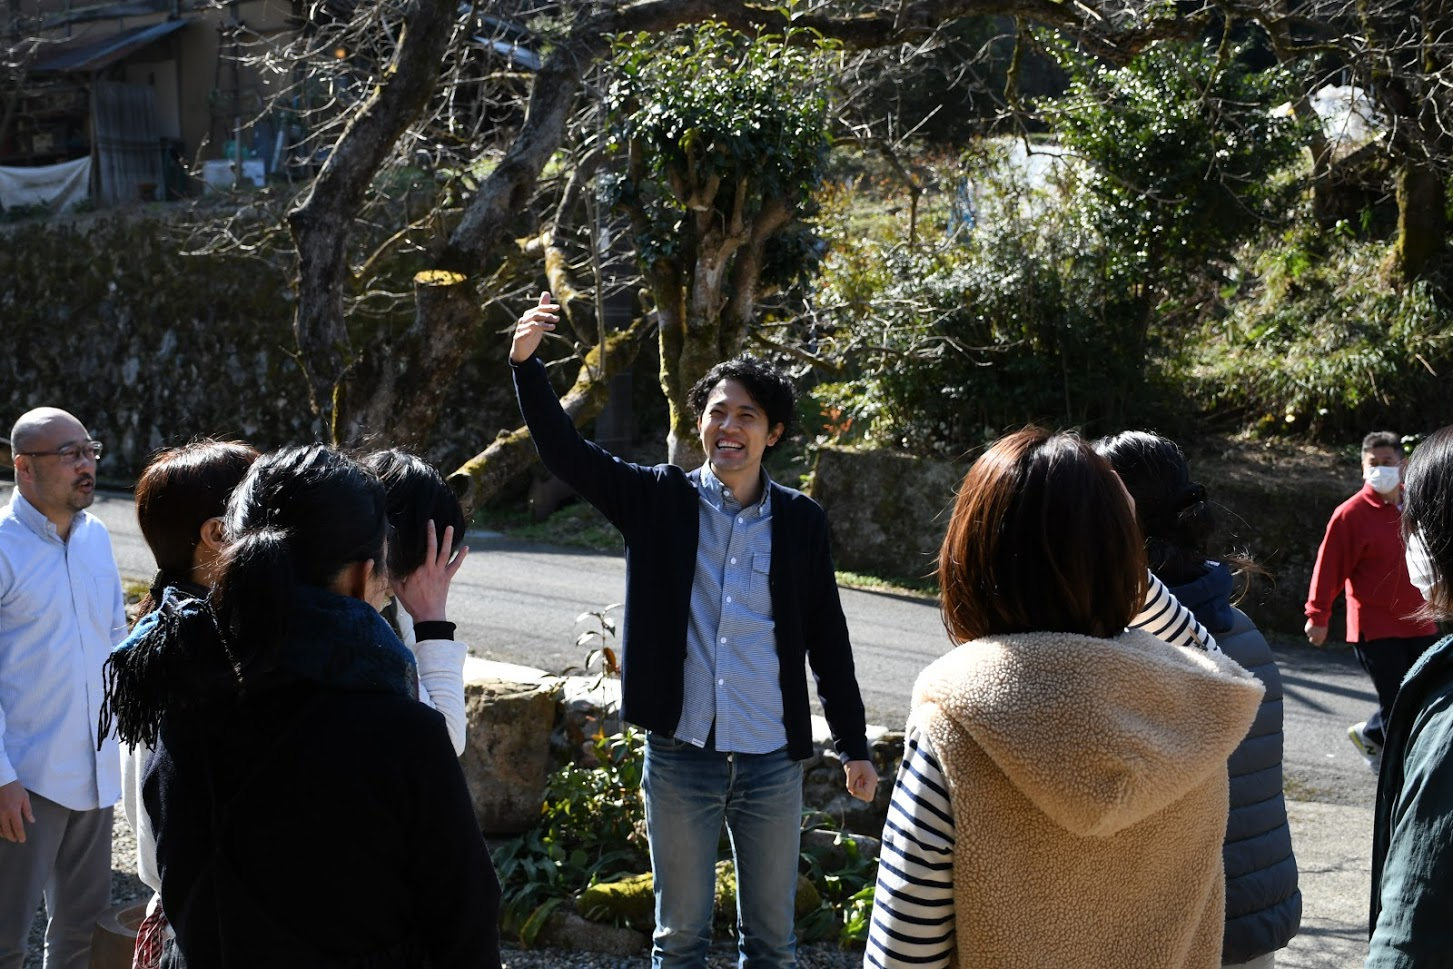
point(518, 603)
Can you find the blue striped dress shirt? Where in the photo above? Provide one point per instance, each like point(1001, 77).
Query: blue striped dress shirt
point(731, 677)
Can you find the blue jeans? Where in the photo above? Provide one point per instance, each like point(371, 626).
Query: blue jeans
point(689, 792)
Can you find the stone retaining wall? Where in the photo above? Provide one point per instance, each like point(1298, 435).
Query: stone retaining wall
point(105, 317)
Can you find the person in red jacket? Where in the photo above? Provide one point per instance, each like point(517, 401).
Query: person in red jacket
point(1363, 552)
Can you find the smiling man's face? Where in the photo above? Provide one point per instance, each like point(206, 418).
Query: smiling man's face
point(735, 434)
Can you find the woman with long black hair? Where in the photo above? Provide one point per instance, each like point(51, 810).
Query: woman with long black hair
point(309, 811)
point(1412, 850)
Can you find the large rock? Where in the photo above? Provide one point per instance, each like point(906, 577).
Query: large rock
point(510, 711)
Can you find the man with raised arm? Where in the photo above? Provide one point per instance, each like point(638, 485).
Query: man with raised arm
point(730, 592)
point(61, 611)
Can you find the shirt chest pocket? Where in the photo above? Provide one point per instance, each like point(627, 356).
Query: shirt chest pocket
point(759, 584)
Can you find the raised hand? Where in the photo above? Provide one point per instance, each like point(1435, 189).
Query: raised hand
point(425, 591)
point(533, 326)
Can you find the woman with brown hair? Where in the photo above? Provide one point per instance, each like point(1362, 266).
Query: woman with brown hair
point(180, 499)
point(1062, 797)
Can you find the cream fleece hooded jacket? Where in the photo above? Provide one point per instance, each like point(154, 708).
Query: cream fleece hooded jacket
point(1088, 781)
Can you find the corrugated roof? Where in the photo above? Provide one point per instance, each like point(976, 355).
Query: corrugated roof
point(91, 56)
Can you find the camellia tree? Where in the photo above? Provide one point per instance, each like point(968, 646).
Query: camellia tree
point(722, 139)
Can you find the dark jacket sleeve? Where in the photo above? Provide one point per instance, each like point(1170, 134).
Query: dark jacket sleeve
point(1415, 923)
point(455, 887)
point(829, 650)
point(613, 486)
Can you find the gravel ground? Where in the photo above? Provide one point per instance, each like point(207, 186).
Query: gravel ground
point(126, 887)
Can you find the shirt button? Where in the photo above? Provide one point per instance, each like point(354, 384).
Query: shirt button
point(723, 639)
point(734, 560)
point(729, 598)
point(741, 521)
point(721, 682)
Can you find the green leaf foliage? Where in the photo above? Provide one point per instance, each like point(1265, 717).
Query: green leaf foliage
point(592, 829)
point(712, 118)
point(1069, 296)
point(1179, 148)
point(1317, 343)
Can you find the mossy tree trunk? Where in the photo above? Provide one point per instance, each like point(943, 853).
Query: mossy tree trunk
point(483, 476)
point(1422, 219)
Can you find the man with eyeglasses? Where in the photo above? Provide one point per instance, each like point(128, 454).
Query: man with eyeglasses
point(61, 611)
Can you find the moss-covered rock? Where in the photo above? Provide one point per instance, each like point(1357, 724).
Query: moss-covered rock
point(630, 901)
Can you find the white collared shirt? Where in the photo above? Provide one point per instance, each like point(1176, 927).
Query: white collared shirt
point(61, 611)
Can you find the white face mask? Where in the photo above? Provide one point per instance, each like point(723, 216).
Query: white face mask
point(1420, 566)
point(1383, 479)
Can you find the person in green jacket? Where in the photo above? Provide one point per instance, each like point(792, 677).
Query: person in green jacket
point(1412, 840)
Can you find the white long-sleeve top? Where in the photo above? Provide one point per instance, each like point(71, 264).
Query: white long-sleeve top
point(913, 903)
point(441, 676)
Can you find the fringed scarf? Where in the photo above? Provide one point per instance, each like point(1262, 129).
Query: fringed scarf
point(176, 658)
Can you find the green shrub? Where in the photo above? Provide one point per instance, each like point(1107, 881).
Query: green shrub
point(592, 829)
point(846, 908)
point(1317, 342)
point(1063, 303)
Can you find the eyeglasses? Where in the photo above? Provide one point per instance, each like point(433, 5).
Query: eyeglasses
point(72, 453)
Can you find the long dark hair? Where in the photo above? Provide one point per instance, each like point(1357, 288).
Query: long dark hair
point(417, 494)
point(178, 491)
point(1428, 513)
point(1174, 512)
point(300, 517)
point(1041, 539)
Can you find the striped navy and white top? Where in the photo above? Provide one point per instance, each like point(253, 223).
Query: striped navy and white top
point(913, 904)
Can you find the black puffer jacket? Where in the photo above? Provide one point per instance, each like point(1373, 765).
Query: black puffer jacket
point(1263, 903)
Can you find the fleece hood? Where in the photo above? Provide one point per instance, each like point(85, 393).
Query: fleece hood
point(1097, 734)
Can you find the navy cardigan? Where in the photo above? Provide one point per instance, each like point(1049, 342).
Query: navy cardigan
point(656, 510)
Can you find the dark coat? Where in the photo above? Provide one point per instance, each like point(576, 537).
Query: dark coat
point(656, 510)
point(1411, 917)
point(1263, 902)
point(315, 826)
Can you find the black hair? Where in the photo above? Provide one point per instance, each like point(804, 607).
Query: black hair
point(1175, 516)
point(1379, 439)
point(763, 382)
point(178, 491)
point(300, 517)
point(1428, 513)
point(417, 494)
